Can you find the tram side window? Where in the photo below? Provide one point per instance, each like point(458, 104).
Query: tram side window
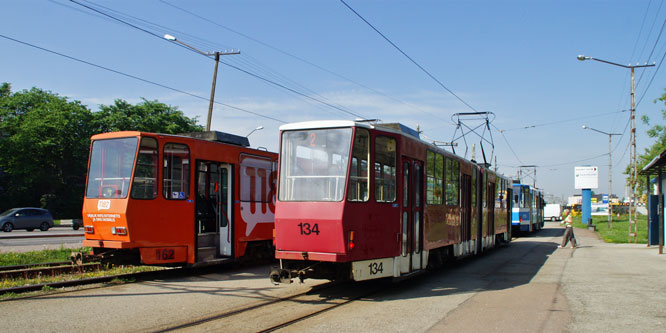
point(434, 178)
point(358, 174)
point(144, 185)
point(255, 179)
point(385, 169)
point(452, 181)
point(525, 192)
point(176, 172)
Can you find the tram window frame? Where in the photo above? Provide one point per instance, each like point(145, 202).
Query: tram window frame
point(385, 163)
point(452, 180)
point(434, 178)
point(360, 162)
point(139, 167)
point(253, 161)
point(167, 170)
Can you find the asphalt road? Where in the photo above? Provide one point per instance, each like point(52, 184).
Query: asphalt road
point(23, 241)
point(529, 286)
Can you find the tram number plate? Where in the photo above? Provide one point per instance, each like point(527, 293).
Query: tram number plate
point(309, 229)
point(372, 269)
point(165, 254)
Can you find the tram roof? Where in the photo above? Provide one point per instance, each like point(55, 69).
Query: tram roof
point(394, 127)
point(324, 124)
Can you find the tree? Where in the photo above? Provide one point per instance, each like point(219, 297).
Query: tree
point(45, 142)
point(147, 116)
point(657, 132)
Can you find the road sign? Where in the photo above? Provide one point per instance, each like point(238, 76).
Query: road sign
point(586, 177)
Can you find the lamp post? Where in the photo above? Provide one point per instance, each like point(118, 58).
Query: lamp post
point(259, 128)
point(217, 61)
point(634, 171)
point(610, 172)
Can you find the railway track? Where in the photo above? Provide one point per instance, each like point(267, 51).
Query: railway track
point(272, 315)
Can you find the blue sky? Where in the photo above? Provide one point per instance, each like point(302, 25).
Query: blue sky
point(516, 59)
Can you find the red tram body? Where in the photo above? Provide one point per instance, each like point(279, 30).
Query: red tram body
point(189, 199)
point(360, 201)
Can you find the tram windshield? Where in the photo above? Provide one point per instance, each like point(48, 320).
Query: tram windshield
point(313, 164)
point(110, 168)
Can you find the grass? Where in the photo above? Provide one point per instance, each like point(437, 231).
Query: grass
point(11, 283)
point(619, 233)
point(38, 257)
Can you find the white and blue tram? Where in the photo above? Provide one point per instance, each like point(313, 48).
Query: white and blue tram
point(527, 212)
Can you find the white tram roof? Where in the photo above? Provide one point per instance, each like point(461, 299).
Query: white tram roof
point(391, 127)
point(324, 124)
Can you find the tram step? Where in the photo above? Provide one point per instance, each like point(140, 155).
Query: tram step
point(207, 240)
point(206, 254)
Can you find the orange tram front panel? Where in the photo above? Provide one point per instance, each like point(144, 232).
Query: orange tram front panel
point(172, 199)
point(362, 201)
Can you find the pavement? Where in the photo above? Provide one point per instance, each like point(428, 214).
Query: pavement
point(528, 286)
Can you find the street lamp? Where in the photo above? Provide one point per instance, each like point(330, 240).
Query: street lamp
point(259, 128)
point(610, 172)
point(634, 167)
point(217, 61)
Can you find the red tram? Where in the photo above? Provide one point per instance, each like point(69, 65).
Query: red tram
point(361, 201)
point(189, 199)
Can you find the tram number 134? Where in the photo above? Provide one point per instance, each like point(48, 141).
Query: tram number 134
point(309, 229)
point(376, 268)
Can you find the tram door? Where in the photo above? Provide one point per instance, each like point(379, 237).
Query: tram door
point(213, 206)
point(224, 218)
point(466, 208)
point(412, 216)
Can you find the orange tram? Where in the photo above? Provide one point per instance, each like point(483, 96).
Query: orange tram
point(362, 201)
point(192, 199)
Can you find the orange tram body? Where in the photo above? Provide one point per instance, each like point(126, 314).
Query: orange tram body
point(191, 199)
point(362, 201)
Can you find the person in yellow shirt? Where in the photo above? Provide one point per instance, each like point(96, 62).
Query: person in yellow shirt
point(568, 234)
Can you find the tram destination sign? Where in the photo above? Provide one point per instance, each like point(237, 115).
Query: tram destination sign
point(586, 177)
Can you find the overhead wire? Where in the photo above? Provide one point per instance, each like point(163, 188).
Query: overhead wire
point(265, 70)
point(137, 78)
point(301, 59)
point(222, 62)
point(408, 57)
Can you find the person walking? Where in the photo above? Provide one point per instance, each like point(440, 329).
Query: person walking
point(568, 234)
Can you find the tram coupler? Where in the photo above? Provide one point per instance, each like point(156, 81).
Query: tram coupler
point(279, 275)
point(80, 258)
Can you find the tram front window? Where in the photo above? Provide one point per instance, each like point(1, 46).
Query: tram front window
point(313, 164)
point(110, 168)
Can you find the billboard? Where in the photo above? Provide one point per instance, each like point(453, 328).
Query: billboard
point(586, 177)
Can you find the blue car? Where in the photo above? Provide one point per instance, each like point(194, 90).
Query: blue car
point(27, 218)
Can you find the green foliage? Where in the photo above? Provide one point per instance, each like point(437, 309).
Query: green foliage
point(147, 116)
point(37, 257)
point(619, 233)
point(45, 140)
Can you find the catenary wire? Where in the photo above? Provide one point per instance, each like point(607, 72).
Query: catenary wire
point(225, 63)
point(408, 57)
point(274, 48)
point(137, 78)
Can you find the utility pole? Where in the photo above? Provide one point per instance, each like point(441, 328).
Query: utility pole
point(217, 62)
point(633, 227)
